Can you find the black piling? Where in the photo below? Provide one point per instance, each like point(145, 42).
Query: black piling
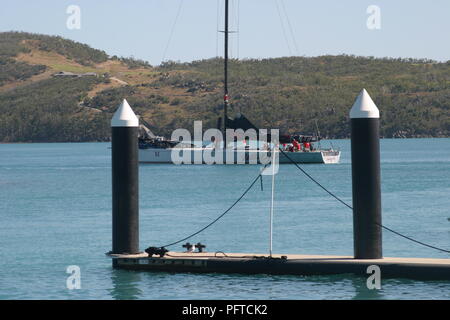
point(365, 145)
point(125, 181)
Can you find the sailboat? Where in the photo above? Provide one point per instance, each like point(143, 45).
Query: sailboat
point(296, 148)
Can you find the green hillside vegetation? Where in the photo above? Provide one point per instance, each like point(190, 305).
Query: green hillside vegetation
point(288, 93)
point(13, 43)
point(133, 63)
point(10, 70)
point(291, 93)
point(49, 110)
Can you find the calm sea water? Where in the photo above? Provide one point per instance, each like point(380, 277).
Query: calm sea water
point(55, 211)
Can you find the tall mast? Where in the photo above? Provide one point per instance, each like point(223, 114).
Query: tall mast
point(225, 95)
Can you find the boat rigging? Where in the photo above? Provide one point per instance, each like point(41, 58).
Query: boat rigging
point(156, 149)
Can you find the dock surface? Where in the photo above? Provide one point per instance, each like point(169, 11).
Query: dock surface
point(252, 263)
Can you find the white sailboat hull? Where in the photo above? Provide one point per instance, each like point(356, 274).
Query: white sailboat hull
point(158, 155)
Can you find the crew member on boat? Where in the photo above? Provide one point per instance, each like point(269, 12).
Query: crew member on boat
point(297, 146)
point(307, 146)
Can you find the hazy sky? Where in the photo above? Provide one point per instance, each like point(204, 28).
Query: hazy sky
point(142, 28)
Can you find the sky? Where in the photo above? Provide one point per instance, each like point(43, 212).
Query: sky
point(186, 30)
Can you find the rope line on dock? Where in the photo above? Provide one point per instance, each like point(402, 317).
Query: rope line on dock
point(351, 208)
point(223, 255)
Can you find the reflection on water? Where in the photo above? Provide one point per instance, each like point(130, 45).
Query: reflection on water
point(362, 291)
point(125, 285)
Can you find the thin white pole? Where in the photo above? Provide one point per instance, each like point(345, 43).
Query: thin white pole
point(271, 202)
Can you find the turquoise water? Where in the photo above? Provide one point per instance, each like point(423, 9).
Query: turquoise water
point(55, 211)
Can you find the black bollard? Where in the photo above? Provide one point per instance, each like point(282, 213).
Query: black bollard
point(125, 181)
point(365, 144)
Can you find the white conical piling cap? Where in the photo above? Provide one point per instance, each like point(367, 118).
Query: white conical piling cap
point(124, 116)
point(364, 107)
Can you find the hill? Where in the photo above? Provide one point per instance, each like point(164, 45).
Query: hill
point(288, 93)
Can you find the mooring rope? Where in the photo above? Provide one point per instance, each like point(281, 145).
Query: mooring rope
point(219, 217)
point(259, 176)
point(351, 208)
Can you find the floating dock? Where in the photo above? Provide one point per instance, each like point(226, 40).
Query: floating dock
point(289, 264)
point(367, 222)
